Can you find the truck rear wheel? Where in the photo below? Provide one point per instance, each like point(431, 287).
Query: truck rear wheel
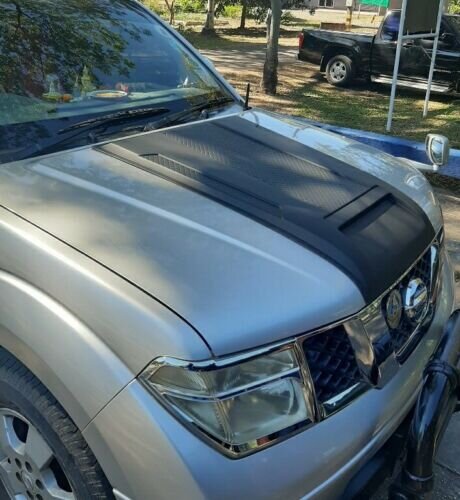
point(340, 71)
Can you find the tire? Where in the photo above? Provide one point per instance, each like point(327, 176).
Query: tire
point(41, 449)
point(340, 71)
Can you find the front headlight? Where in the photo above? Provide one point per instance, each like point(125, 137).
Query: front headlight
point(240, 403)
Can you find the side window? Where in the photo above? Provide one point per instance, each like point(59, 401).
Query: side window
point(390, 28)
point(446, 39)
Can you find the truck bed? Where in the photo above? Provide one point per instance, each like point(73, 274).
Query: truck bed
point(314, 43)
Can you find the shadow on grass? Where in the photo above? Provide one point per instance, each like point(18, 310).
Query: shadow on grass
point(260, 32)
point(219, 41)
point(366, 107)
point(235, 38)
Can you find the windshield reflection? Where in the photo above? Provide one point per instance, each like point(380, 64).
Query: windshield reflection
point(62, 61)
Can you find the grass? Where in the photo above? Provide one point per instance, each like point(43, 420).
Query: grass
point(367, 109)
point(302, 91)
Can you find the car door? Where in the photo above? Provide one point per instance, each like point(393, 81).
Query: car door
point(384, 48)
point(447, 59)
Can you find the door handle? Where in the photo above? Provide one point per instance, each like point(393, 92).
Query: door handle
point(409, 43)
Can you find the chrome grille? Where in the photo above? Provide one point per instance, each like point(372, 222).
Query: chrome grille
point(424, 269)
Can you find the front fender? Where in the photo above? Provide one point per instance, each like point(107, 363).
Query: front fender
point(72, 362)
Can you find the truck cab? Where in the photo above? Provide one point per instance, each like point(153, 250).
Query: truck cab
point(416, 54)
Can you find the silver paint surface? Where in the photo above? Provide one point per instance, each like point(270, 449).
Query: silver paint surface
point(83, 331)
point(101, 268)
point(240, 284)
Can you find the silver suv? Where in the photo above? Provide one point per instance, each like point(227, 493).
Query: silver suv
point(198, 299)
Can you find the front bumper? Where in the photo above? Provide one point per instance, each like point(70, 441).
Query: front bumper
point(417, 440)
point(147, 453)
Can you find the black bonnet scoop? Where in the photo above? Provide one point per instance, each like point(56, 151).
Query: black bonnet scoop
point(367, 228)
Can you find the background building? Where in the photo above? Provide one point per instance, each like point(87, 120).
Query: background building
point(341, 5)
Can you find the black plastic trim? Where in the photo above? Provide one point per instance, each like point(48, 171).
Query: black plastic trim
point(435, 406)
point(364, 226)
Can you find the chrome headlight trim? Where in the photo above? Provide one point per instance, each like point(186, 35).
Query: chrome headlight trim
point(300, 373)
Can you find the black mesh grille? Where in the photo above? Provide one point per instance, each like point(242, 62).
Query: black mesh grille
point(332, 363)
point(422, 270)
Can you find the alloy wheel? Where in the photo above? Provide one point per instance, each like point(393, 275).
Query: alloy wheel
point(29, 469)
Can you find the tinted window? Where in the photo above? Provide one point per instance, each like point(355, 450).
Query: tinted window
point(61, 60)
point(390, 28)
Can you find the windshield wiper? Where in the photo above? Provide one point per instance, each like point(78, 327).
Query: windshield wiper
point(179, 117)
point(126, 115)
point(84, 127)
point(119, 116)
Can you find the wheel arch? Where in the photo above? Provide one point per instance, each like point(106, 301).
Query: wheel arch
point(336, 50)
point(59, 349)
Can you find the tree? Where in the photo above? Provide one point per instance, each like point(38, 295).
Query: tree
point(171, 6)
point(270, 73)
point(210, 15)
point(454, 6)
point(244, 13)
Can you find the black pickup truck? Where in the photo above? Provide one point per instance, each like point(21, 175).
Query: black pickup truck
point(344, 56)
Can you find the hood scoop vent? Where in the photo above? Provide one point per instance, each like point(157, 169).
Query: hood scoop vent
point(208, 179)
point(366, 227)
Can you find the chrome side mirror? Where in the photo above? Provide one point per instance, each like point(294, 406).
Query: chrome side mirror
point(438, 150)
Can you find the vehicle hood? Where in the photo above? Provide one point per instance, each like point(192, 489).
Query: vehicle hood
point(386, 167)
point(240, 278)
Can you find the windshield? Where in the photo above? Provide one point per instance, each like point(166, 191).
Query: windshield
point(62, 62)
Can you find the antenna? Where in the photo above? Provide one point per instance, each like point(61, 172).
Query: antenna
point(246, 99)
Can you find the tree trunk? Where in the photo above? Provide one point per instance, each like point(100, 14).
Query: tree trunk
point(244, 12)
point(268, 22)
point(209, 24)
point(171, 8)
point(270, 74)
